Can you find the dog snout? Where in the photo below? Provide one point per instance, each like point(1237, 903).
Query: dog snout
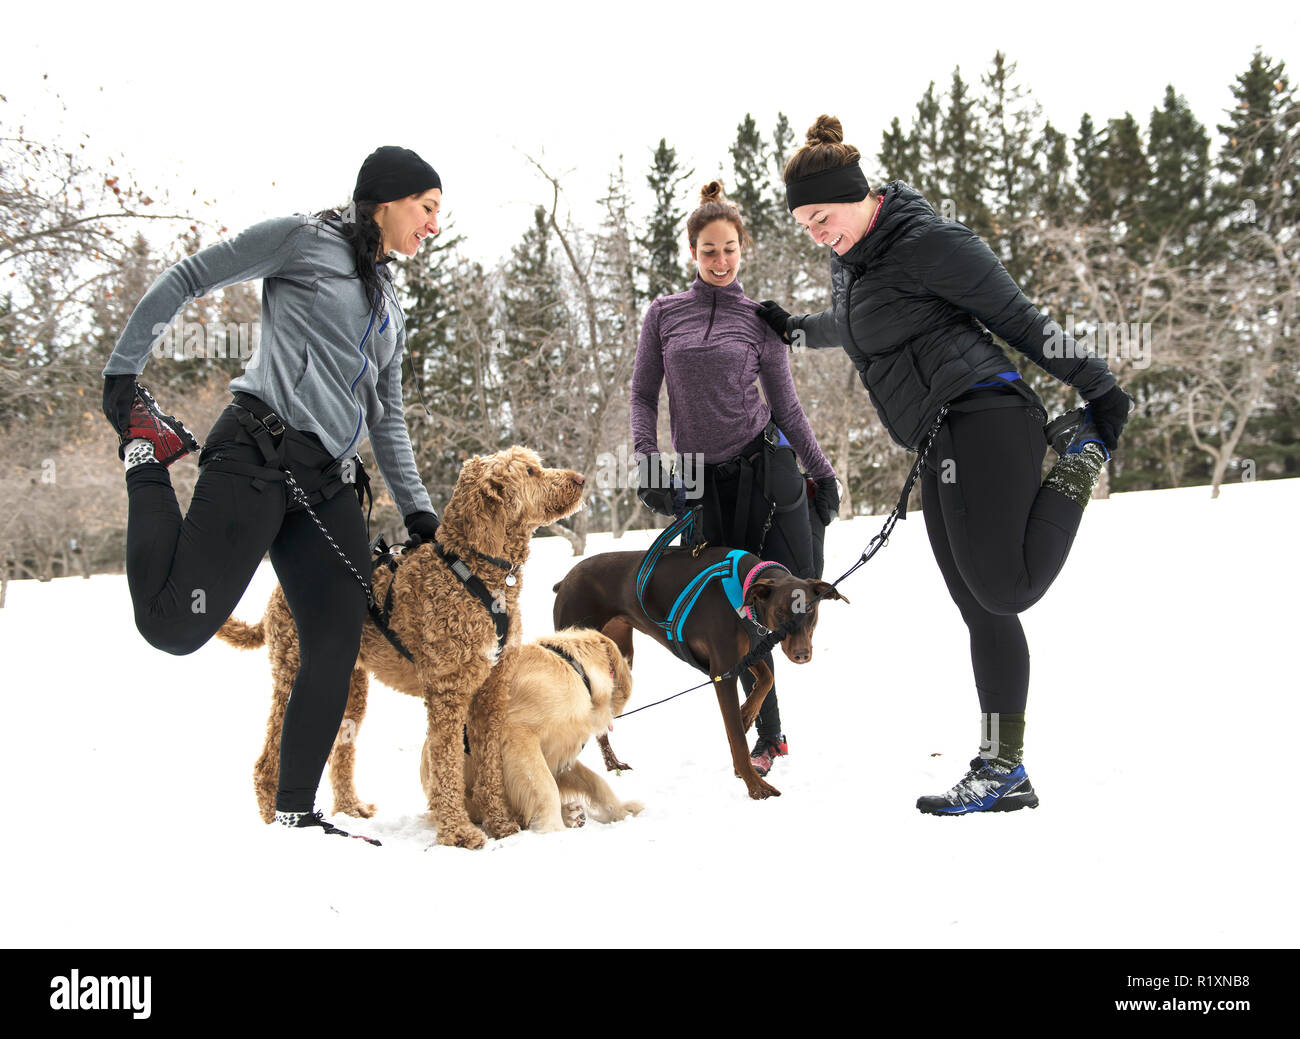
point(577, 478)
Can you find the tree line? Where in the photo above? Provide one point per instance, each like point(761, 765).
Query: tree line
point(1167, 247)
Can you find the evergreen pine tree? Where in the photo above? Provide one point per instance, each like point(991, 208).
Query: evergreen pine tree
point(535, 321)
point(1055, 196)
point(963, 157)
point(928, 148)
point(897, 156)
point(1126, 174)
point(1009, 120)
point(1255, 161)
point(449, 383)
point(662, 240)
point(1180, 166)
point(751, 190)
point(1097, 205)
point(796, 263)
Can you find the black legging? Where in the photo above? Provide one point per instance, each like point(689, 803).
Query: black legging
point(788, 540)
point(187, 574)
point(999, 537)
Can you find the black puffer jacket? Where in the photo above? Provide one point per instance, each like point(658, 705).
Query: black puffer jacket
point(907, 303)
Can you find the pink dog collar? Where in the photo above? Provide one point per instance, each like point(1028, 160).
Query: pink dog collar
point(746, 610)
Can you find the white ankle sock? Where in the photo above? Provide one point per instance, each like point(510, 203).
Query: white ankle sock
point(137, 451)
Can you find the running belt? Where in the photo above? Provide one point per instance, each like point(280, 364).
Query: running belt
point(1001, 379)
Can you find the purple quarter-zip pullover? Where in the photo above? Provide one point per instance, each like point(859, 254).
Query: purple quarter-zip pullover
point(714, 349)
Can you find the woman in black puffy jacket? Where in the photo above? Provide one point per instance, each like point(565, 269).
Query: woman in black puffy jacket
point(914, 298)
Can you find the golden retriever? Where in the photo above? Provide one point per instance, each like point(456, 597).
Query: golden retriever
point(550, 716)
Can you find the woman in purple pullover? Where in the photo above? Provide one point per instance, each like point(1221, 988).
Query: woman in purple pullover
point(713, 349)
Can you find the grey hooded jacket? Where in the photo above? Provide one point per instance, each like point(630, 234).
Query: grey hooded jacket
point(325, 363)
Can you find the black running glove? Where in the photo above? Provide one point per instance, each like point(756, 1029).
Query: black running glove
point(653, 485)
point(777, 317)
point(827, 499)
point(119, 395)
point(421, 526)
point(1110, 412)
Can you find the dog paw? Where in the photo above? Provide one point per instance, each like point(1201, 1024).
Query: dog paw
point(633, 808)
point(461, 836)
point(359, 809)
point(497, 828)
point(573, 814)
point(763, 789)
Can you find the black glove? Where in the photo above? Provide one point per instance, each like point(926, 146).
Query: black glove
point(421, 526)
point(777, 317)
point(1110, 412)
point(119, 395)
point(653, 486)
point(827, 499)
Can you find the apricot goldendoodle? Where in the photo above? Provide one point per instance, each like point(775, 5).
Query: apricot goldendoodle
point(498, 502)
point(552, 712)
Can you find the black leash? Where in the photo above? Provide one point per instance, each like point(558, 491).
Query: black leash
point(768, 641)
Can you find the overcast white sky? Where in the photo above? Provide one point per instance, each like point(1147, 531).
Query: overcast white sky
point(268, 108)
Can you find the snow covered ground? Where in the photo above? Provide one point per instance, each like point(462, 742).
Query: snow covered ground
point(1162, 726)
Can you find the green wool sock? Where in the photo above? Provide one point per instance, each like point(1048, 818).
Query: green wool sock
point(1002, 738)
point(1076, 475)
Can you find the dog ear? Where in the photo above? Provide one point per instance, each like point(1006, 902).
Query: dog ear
point(826, 590)
point(495, 477)
point(759, 591)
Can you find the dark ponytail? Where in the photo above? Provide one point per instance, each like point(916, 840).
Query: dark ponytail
point(355, 224)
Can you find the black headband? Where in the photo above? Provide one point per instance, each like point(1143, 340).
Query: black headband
point(840, 184)
point(390, 173)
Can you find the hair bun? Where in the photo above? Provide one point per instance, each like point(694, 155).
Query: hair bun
point(826, 130)
point(711, 192)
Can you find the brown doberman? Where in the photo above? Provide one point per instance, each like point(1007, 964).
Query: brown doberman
point(601, 593)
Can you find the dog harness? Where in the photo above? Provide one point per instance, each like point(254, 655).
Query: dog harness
point(725, 570)
point(573, 663)
point(475, 586)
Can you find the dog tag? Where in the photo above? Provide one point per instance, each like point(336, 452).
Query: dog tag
point(510, 580)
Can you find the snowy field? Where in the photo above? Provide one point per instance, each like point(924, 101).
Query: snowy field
point(1162, 725)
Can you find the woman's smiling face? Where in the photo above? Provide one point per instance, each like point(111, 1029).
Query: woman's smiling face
point(405, 222)
point(717, 253)
point(839, 225)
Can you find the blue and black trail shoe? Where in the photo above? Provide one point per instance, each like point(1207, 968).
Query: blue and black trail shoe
point(985, 788)
point(1070, 433)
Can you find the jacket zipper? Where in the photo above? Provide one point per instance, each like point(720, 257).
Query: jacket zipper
point(712, 310)
point(365, 364)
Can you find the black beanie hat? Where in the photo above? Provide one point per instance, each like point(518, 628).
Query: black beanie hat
point(391, 172)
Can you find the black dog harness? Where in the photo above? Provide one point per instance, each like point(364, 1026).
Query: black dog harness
point(475, 586)
point(573, 663)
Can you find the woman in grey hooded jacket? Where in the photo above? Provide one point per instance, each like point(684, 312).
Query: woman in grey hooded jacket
point(327, 374)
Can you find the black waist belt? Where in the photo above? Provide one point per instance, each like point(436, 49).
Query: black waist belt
point(282, 447)
point(765, 446)
point(984, 397)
